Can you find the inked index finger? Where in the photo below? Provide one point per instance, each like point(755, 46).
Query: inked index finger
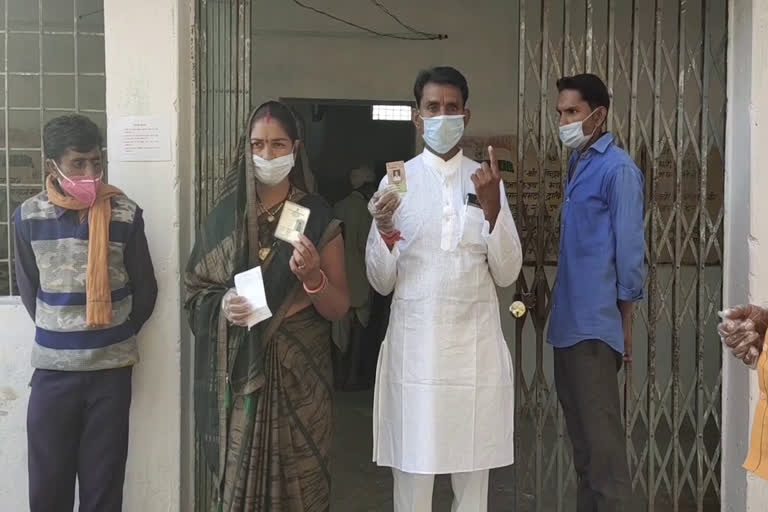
point(494, 162)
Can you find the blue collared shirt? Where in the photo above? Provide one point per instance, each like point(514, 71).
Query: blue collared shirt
point(602, 249)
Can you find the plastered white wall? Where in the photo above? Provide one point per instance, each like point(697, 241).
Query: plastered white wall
point(299, 54)
point(15, 345)
point(735, 430)
point(142, 65)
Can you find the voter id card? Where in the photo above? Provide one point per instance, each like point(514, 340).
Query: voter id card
point(396, 175)
point(293, 221)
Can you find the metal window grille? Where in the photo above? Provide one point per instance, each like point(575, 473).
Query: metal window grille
point(52, 55)
point(392, 113)
point(223, 72)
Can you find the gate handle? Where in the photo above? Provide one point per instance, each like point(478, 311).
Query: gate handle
point(523, 303)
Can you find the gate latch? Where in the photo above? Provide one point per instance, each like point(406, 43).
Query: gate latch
point(523, 303)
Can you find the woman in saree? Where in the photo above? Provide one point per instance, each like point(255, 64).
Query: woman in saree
point(263, 396)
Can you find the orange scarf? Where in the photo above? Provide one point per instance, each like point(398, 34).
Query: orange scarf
point(98, 289)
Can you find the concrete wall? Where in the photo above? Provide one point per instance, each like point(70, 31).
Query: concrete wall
point(15, 373)
point(319, 58)
point(145, 77)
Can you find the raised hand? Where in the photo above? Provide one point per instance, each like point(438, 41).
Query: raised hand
point(486, 181)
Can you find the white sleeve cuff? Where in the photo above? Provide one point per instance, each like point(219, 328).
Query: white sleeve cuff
point(381, 263)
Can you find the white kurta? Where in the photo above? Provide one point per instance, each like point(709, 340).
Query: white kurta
point(444, 399)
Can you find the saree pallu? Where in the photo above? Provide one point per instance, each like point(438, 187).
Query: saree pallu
point(280, 436)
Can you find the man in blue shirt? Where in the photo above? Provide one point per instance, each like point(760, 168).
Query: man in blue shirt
point(600, 276)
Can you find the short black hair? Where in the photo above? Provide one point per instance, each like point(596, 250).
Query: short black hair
point(444, 75)
point(70, 132)
point(591, 88)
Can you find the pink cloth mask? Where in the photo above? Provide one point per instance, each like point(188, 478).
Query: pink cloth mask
point(83, 188)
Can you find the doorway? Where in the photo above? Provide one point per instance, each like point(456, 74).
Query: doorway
point(340, 136)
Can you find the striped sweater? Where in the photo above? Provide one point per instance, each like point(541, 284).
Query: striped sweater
point(51, 262)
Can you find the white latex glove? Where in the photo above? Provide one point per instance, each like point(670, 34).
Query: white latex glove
point(741, 336)
point(236, 309)
point(758, 315)
point(383, 206)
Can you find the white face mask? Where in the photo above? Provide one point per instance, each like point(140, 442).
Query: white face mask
point(442, 133)
point(572, 135)
point(272, 172)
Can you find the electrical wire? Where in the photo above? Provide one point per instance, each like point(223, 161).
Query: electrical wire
point(389, 13)
point(86, 15)
point(418, 37)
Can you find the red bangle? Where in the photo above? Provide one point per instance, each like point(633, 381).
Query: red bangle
point(319, 289)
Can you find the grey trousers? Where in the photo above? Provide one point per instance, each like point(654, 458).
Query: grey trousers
point(588, 391)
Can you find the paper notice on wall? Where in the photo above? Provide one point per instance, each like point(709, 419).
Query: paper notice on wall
point(140, 139)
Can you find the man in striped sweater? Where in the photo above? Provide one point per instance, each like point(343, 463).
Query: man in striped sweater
point(85, 275)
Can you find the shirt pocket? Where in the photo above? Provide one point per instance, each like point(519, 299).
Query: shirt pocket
point(472, 227)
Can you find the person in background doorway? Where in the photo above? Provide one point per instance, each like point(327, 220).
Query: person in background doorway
point(263, 395)
point(743, 331)
point(600, 276)
point(444, 398)
point(85, 276)
point(349, 333)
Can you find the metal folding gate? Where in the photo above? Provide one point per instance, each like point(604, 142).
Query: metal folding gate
point(664, 62)
point(223, 72)
point(223, 69)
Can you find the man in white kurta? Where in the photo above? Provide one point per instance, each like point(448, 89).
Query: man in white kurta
point(444, 399)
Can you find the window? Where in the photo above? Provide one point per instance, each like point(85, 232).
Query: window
point(51, 64)
point(392, 113)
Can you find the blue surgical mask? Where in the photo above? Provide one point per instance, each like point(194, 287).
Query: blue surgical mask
point(572, 135)
point(443, 133)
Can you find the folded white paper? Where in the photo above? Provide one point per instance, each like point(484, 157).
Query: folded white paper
point(250, 284)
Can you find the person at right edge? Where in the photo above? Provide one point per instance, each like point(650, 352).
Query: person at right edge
point(600, 276)
point(743, 331)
